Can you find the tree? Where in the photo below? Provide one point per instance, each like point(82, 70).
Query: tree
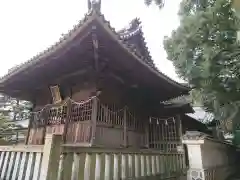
point(14, 109)
point(11, 112)
point(159, 3)
point(205, 53)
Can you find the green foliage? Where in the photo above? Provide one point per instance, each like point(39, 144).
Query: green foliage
point(205, 53)
point(11, 111)
point(14, 109)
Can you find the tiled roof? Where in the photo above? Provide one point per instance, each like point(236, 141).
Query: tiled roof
point(124, 37)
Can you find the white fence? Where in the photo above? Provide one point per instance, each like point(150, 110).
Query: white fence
point(54, 161)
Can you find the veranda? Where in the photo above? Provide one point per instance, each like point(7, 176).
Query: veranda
point(92, 123)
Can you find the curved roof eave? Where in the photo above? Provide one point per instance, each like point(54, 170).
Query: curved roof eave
point(44, 54)
point(92, 15)
point(124, 45)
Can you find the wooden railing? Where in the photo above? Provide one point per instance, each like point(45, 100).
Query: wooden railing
point(165, 133)
point(114, 164)
point(88, 123)
point(92, 123)
point(71, 119)
point(31, 162)
point(20, 162)
point(55, 161)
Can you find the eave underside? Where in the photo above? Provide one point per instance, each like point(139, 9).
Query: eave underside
point(77, 57)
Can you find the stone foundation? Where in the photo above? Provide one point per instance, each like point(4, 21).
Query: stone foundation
point(209, 159)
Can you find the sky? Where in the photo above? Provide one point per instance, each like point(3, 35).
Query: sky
point(28, 27)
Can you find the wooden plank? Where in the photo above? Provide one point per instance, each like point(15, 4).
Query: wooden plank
point(107, 172)
point(131, 168)
point(78, 149)
point(81, 166)
point(11, 165)
point(30, 164)
point(137, 166)
point(2, 157)
point(66, 168)
point(98, 167)
point(5, 165)
point(17, 165)
point(51, 157)
point(37, 166)
point(22, 168)
point(87, 167)
point(22, 148)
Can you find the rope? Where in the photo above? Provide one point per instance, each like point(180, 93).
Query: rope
point(114, 112)
point(159, 119)
point(79, 103)
point(40, 111)
point(83, 102)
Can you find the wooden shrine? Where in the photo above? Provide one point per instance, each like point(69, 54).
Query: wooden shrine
point(99, 87)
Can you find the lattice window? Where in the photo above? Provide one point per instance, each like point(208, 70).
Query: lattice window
point(164, 134)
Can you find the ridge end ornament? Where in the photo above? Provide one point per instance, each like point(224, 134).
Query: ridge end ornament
point(94, 5)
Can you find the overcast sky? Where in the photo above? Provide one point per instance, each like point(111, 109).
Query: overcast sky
point(30, 26)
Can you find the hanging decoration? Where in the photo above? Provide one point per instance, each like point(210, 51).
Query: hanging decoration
point(56, 96)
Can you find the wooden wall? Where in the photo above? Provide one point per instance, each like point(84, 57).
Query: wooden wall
point(42, 98)
point(82, 92)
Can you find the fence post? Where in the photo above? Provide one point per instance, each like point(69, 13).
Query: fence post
point(68, 119)
point(94, 120)
point(125, 140)
point(29, 129)
point(45, 123)
point(51, 156)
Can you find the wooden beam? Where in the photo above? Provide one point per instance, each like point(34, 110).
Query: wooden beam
point(79, 72)
point(95, 48)
point(117, 78)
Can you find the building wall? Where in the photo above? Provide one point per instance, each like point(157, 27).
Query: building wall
point(42, 98)
point(78, 93)
point(83, 92)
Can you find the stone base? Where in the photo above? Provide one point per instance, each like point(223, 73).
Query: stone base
point(218, 173)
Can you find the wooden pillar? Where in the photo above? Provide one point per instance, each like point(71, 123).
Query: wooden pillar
point(147, 133)
point(179, 120)
point(29, 128)
point(94, 120)
point(125, 143)
point(51, 156)
point(45, 122)
point(68, 119)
